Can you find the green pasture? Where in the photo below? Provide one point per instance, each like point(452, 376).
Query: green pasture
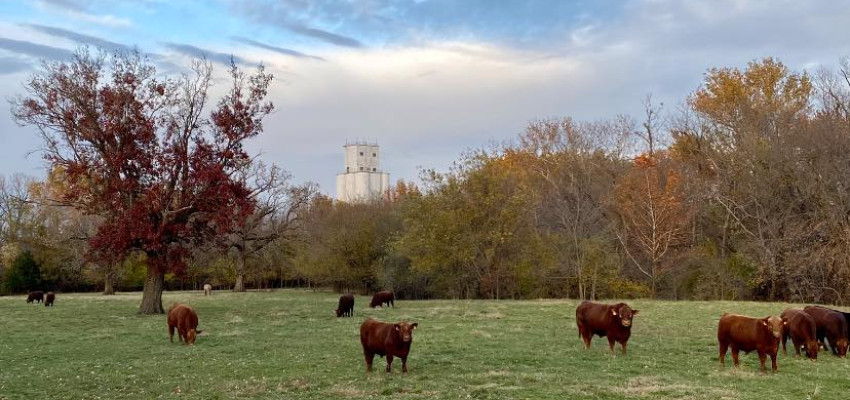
point(288, 345)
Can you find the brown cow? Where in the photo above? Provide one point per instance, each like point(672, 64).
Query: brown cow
point(36, 296)
point(381, 298)
point(49, 299)
point(346, 306)
point(749, 334)
point(383, 339)
point(802, 330)
point(831, 326)
point(613, 321)
point(184, 319)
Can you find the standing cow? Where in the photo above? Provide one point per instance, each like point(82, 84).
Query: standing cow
point(49, 299)
point(748, 334)
point(207, 289)
point(381, 298)
point(383, 339)
point(346, 306)
point(802, 330)
point(831, 327)
point(613, 321)
point(183, 318)
point(35, 296)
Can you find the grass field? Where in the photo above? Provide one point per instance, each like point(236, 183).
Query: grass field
point(287, 344)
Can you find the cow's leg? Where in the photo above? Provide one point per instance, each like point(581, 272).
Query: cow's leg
point(797, 343)
point(171, 333)
point(611, 345)
point(369, 358)
point(773, 362)
point(389, 362)
point(762, 360)
point(623, 344)
point(784, 341)
point(833, 346)
point(723, 348)
point(735, 361)
point(586, 337)
point(403, 364)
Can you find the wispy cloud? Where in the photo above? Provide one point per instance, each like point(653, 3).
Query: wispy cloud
point(79, 37)
point(325, 36)
point(192, 51)
point(275, 49)
point(34, 49)
point(10, 65)
point(79, 10)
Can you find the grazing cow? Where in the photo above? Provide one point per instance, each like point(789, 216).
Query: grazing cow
point(381, 298)
point(36, 296)
point(749, 334)
point(383, 339)
point(49, 299)
point(802, 329)
point(846, 318)
point(207, 289)
point(613, 321)
point(346, 306)
point(184, 319)
point(831, 326)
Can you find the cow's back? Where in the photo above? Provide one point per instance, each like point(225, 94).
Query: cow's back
point(594, 316)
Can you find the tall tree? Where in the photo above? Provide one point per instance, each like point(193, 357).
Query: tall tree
point(276, 218)
point(137, 151)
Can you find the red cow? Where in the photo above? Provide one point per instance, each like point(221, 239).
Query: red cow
point(346, 306)
point(613, 321)
point(36, 296)
point(832, 327)
point(49, 299)
point(802, 330)
point(383, 339)
point(749, 334)
point(184, 319)
point(381, 298)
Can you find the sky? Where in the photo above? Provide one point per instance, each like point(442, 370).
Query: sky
point(426, 79)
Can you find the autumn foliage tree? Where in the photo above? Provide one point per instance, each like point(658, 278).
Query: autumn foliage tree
point(137, 150)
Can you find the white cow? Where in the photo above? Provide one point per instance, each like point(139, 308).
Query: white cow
point(207, 289)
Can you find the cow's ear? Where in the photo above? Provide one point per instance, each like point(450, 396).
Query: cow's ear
point(198, 332)
point(634, 312)
point(414, 325)
point(613, 312)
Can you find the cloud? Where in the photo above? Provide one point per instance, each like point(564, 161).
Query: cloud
point(301, 18)
point(325, 36)
point(10, 65)
point(34, 49)
point(79, 10)
point(79, 37)
point(275, 49)
point(192, 51)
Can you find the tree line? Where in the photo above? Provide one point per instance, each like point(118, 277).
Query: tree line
point(739, 193)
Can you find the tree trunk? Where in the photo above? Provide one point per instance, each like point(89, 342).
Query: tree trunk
point(240, 273)
point(152, 295)
point(109, 284)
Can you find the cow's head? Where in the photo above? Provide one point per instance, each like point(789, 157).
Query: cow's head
point(624, 314)
point(812, 348)
point(405, 330)
point(337, 312)
point(191, 335)
point(774, 325)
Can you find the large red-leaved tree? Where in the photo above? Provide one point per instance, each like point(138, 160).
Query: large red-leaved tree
point(138, 150)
